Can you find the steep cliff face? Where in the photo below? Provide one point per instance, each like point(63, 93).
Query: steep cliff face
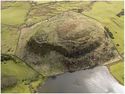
point(70, 40)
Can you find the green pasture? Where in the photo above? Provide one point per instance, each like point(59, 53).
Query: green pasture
point(19, 88)
point(9, 39)
point(117, 71)
point(35, 84)
point(20, 70)
point(15, 14)
point(27, 79)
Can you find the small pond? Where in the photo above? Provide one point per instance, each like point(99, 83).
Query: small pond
point(96, 80)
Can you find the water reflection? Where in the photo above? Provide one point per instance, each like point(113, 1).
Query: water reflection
point(97, 80)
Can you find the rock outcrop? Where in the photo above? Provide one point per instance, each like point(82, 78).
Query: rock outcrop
point(71, 40)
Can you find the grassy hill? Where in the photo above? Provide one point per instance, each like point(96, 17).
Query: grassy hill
point(17, 16)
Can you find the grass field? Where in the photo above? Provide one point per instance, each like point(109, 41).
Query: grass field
point(35, 84)
point(117, 71)
point(15, 14)
point(9, 39)
point(19, 88)
point(20, 70)
point(27, 79)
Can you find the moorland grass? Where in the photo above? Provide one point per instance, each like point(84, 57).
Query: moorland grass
point(43, 11)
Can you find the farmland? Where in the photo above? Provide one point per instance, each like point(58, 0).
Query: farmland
point(117, 71)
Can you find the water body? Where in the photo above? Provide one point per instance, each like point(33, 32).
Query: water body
point(97, 80)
